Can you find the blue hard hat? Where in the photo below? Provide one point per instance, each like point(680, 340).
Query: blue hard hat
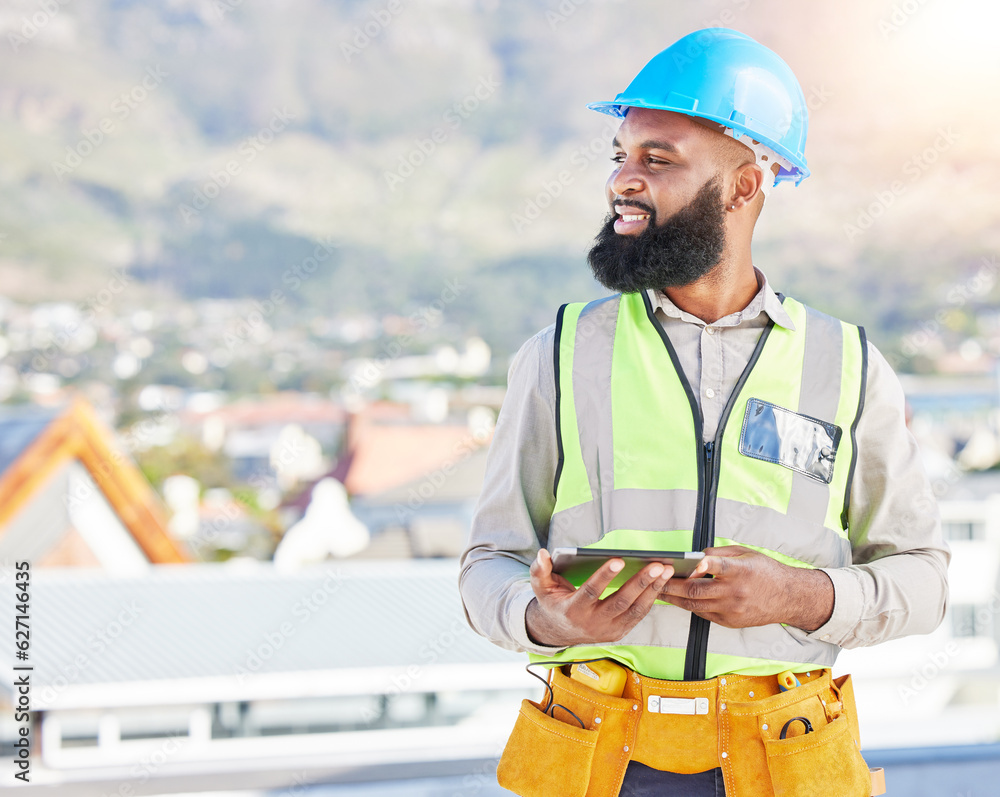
point(727, 77)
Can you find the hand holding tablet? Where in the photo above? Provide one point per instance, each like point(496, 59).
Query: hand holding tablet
point(578, 564)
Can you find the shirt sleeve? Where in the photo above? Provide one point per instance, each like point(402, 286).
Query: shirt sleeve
point(897, 584)
point(516, 502)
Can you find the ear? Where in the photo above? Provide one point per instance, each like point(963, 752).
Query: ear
point(747, 185)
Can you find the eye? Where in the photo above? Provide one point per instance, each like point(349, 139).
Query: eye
point(618, 158)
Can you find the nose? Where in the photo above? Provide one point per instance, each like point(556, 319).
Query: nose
point(625, 179)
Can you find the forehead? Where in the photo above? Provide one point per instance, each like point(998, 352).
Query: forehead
point(645, 126)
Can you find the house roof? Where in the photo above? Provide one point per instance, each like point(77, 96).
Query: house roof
point(217, 632)
point(36, 445)
point(276, 409)
point(388, 450)
point(462, 482)
point(19, 426)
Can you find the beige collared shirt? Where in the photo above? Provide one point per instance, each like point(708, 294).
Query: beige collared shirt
point(897, 584)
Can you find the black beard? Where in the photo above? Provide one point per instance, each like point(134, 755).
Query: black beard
point(680, 251)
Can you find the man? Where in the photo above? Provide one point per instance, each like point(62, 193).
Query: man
point(698, 410)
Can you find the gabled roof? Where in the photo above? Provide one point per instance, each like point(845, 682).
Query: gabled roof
point(18, 430)
point(36, 444)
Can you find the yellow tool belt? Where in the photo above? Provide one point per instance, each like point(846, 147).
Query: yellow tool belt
point(735, 722)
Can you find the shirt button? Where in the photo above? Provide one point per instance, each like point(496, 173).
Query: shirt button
point(710, 330)
point(710, 393)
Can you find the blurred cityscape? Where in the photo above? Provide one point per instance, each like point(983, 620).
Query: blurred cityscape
point(263, 268)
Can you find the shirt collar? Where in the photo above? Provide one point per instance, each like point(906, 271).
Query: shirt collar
point(765, 300)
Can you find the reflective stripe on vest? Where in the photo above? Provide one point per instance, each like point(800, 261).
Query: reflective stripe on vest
point(633, 471)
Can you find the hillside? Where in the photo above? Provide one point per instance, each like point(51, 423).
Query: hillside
point(207, 146)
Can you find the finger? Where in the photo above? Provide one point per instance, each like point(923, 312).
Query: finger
point(541, 571)
point(542, 565)
point(693, 589)
point(652, 578)
point(700, 606)
point(728, 550)
point(636, 597)
point(594, 587)
point(716, 565)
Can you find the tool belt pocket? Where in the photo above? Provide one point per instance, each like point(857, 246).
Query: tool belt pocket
point(812, 750)
point(826, 761)
point(546, 757)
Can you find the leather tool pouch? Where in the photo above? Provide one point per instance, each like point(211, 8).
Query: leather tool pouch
point(827, 760)
point(546, 757)
point(553, 756)
point(550, 756)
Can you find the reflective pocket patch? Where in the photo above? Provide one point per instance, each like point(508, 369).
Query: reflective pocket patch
point(798, 442)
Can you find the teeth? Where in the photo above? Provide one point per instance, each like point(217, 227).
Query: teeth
point(626, 217)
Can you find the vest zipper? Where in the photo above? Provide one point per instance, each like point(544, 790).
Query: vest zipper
point(703, 535)
point(697, 652)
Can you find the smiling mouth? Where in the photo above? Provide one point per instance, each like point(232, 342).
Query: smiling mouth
point(630, 219)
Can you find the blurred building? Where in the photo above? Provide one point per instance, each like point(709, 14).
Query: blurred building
point(943, 687)
point(412, 481)
point(71, 497)
point(254, 432)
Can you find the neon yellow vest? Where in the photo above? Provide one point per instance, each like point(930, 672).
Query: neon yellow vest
point(634, 472)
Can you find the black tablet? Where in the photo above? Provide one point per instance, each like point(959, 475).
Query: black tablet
point(578, 564)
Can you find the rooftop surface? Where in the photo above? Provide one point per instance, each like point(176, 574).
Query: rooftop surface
point(219, 624)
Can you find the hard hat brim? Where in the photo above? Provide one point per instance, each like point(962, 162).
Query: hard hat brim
point(618, 108)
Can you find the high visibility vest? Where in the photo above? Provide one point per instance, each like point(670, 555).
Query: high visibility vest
point(634, 472)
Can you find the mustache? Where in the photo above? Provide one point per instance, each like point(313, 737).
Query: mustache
point(632, 203)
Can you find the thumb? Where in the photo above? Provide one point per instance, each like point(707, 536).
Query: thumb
point(542, 566)
point(715, 561)
point(543, 576)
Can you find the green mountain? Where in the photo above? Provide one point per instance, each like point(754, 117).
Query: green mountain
point(211, 147)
